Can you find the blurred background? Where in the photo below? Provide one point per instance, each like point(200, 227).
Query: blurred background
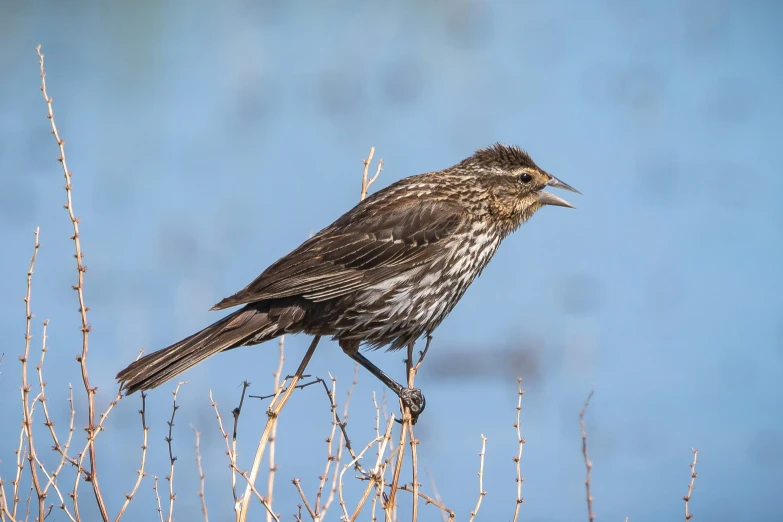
point(209, 139)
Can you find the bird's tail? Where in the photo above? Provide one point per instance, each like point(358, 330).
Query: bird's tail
point(245, 326)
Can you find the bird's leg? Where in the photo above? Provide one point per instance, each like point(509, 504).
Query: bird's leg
point(410, 397)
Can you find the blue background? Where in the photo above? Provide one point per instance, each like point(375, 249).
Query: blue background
point(208, 139)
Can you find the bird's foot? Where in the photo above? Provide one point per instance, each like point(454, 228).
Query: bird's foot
point(414, 400)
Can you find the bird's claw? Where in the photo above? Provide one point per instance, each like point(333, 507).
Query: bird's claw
point(414, 400)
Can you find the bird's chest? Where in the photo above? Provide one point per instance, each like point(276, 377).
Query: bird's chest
point(469, 258)
point(443, 283)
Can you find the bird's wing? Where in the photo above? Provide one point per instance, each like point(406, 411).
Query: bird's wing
point(365, 246)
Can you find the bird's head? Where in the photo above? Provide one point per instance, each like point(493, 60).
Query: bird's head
point(513, 183)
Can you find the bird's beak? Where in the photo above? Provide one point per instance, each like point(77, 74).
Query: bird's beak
point(545, 198)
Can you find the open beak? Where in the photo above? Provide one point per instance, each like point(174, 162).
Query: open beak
point(545, 198)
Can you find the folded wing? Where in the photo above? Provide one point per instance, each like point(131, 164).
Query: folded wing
point(381, 242)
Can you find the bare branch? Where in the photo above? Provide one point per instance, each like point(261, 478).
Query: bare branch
point(448, 513)
point(588, 464)
point(329, 457)
point(20, 452)
point(79, 288)
point(345, 442)
point(62, 450)
point(273, 437)
point(28, 421)
point(261, 499)
point(91, 436)
point(518, 457)
point(687, 498)
point(172, 458)
point(298, 486)
point(366, 183)
point(157, 496)
point(482, 493)
point(376, 473)
point(141, 474)
point(232, 458)
point(201, 475)
point(277, 405)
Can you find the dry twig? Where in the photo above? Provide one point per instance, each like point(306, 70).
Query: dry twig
point(20, 452)
point(329, 457)
point(366, 183)
point(62, 450)
point(376, 474)
point(157, 497)
point(482, 493)
point(92, 429)
point(232, 458)
point(141, 474)
point(345, 442)
point(283, 395)
point(588, 463)
point(201, 475)
point(447, 513)
point(28, 420)
point(687, 498)
point(273, 412)
point(172, 458)
point(407, 428)
point(297, 483)
point(270, 486)
point(518, 457)
point(79, 460)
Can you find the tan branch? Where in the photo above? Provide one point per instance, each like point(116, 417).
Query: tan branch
point(277, 405)
point(482, 493)
point(28, 420)
point(141, 474)
point(270, 487)
point(201, 475)
point(79, 288)
point(518, 457)
point(588, 463)
point(687, 498)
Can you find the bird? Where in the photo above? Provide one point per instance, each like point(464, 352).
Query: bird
point(384, 274)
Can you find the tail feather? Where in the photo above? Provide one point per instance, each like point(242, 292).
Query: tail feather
point(245, 326)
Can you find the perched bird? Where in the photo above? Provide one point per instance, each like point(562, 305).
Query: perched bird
point(384, 274)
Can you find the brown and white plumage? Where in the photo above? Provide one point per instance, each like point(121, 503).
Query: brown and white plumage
point(385, 273)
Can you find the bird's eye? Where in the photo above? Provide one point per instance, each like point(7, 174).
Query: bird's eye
point(525, 177)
